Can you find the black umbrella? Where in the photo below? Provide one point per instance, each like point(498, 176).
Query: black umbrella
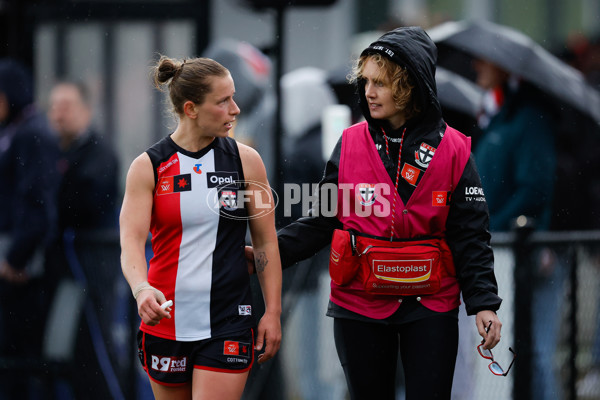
point(457, 93)
point(458, 42)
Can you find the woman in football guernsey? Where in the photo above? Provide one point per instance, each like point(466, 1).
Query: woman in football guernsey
point(410, 230)
point(196, 191)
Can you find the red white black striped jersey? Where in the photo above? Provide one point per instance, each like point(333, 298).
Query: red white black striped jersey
point(198, 238)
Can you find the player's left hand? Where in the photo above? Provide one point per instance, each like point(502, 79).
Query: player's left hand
point(269, 336)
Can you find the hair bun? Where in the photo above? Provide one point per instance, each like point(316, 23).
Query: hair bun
point(167, 69)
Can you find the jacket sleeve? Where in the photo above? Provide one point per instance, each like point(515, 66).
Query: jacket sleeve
point(33, 211)
point(304, 237)
point(467, 233)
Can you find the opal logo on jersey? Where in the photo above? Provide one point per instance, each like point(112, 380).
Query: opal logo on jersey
point(221, 179)
point(169, 364)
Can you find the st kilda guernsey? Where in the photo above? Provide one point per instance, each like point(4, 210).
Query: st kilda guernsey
point(198, 238)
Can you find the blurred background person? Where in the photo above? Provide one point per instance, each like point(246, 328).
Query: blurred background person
point(516, 154)
point(89, 166)
point(28, 156)
point(86, 203)
point(516, 157)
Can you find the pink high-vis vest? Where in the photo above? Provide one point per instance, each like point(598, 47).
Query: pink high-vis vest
point(366, 201)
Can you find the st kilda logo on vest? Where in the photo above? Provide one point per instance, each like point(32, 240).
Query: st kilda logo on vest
point(366, 193)
point(424, 154)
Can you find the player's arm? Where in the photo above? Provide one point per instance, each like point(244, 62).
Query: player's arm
point(134, 227)
point(260, 208)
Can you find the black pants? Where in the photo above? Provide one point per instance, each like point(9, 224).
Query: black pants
point(368, 353)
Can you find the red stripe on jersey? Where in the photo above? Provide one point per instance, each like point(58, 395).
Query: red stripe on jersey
point(166, 232)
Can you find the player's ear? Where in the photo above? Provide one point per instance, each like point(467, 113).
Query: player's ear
point(190, 109)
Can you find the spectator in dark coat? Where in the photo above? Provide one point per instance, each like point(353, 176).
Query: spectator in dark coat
point(28, 156)
point(87, 200)
point(88, 164)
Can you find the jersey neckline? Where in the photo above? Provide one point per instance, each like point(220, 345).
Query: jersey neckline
point(192, 154)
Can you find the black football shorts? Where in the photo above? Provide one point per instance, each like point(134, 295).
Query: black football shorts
point(171, 362)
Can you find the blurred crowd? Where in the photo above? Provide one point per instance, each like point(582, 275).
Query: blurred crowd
point(60, 176)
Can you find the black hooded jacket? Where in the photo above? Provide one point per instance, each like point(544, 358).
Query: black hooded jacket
point(468, 220)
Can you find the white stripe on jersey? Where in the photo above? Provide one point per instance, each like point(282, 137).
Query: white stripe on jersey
point(199, 233)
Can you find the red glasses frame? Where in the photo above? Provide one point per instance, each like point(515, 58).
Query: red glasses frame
point(494, 367)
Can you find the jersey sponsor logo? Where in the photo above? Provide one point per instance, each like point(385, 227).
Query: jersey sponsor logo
point(167, 165)
point(366, 193)
point(244, 310)
point(228, 200)
point(169, 364)
point(174, 184)
point(440, 198)
point(424, 155)
point(197, 168)
point(410, 174)
point(221, 179)
point(233, 348)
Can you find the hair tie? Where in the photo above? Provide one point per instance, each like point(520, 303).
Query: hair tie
point(178, 72)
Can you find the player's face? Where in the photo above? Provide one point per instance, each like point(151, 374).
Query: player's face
point(216, 116)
